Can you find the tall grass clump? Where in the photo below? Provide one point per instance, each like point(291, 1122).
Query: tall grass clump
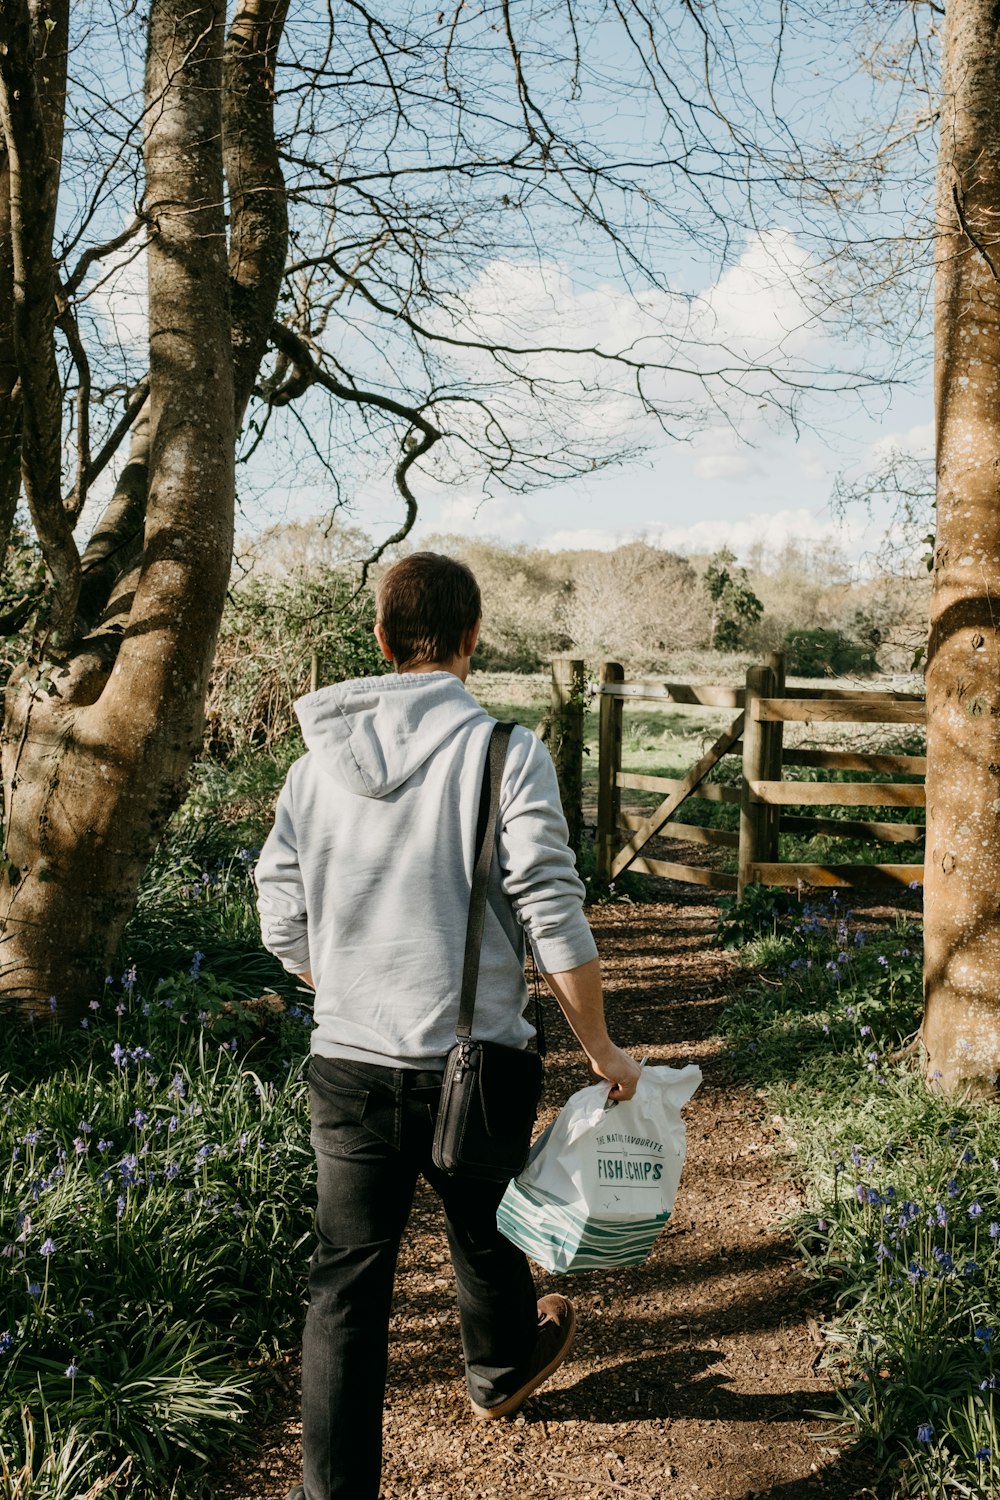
point(902, 1185)
point(154, 1183)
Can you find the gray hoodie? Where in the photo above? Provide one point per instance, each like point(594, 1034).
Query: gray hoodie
point(364, 879)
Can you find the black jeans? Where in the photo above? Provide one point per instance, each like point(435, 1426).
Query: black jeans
point(371, 1128)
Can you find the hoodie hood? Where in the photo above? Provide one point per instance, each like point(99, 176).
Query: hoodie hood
point(373, 733)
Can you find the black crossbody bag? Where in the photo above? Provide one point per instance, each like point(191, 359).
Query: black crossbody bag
point(490, 1093)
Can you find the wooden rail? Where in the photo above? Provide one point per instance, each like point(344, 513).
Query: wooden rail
point(763, 792)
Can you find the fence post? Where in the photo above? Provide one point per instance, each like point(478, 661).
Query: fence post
point(609, 763)
point(754, 821)
point(566, 741)
point(775, 741)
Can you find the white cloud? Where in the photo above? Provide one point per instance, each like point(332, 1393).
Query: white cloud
point(118, 300)
point(917, 441)
point(469, 513)
point(586, 539)
point(773, 530)
point(701, 356)
point(732, 466)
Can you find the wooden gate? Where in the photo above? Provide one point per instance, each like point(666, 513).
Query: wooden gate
point(612, 861)
point(756, 735)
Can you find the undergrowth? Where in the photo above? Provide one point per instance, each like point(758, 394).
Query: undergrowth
point(902, 1184)
point(154, 1191)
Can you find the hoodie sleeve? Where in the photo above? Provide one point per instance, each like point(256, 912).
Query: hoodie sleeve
point(281, 896)
point(539, 871)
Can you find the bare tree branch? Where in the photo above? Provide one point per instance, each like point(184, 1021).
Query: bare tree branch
point(258, 206)
point(34, 183)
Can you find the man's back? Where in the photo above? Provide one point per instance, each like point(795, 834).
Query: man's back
point(372, 855)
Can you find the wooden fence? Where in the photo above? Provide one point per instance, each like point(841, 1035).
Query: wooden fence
point(756, 735)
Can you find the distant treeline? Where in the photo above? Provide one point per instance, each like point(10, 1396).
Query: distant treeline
point(295, 596)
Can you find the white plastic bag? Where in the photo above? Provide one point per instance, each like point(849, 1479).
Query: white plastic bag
point(600, 1183)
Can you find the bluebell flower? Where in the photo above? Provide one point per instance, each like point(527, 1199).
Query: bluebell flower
point(118, 1054)
point(72, 1371)
point(172, 1171)
point(970, 1269)
point(883, 961)
point(882, 1252)
point(119, 1206)
point(34, 1289)
point(204, 1152)
point(983, 1454)
point(47, 1247)
point(139, 1119)
point(952, 1186)
point(967, 1157)
point(985, 1336)
point(915, 1271)
point(975, 1211)
point(925, 1432)
point(989, 1384)
point(52, 1002)
point(197, 959)
point(866, 1031)
point(994, 1231)
point(32, 1137)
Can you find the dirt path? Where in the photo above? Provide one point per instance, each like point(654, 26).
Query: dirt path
point(694, 1374)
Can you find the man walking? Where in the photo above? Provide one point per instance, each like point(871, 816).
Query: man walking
point(364, 888)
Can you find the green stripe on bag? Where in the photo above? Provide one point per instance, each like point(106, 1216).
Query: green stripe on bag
point(561, 1239)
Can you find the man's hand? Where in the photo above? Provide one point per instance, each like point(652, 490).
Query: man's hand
point(618, 1069)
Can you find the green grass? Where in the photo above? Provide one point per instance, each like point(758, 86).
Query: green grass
point(154, 1187)
point(902, 1185)
point(154, 1175)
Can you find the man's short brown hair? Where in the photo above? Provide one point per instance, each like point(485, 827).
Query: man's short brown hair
point(426, 606)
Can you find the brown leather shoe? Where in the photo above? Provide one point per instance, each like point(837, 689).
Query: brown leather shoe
point(556, 1327)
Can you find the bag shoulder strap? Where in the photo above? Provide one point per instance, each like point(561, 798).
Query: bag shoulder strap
point(486, 829)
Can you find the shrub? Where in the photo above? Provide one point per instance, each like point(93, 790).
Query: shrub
point(153, 1214)
point(827, 653)
point(271, 629)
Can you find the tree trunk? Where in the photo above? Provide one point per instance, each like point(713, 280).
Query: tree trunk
point(961, 1029)
point(96, 752)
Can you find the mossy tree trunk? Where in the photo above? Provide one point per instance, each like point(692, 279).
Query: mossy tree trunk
point(961, 1029)
point(100, 732)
